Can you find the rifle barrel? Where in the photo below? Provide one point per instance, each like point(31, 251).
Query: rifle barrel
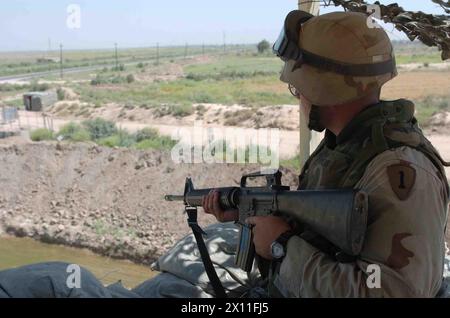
point(171, 197)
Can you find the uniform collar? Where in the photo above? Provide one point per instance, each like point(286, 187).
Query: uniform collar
point(356, 126)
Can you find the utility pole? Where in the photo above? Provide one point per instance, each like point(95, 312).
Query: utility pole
point(305, 134)
point(224, 42)
point(61, 60)
point(49, 54)
point(185, 51)
point(117, 57)
point(157, 53)
point(203, 49)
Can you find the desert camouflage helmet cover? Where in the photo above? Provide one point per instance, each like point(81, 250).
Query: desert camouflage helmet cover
point(345, 38)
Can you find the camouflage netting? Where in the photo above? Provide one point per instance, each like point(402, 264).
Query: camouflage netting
point(432, 30)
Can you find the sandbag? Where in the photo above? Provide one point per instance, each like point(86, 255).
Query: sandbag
point(182, 266)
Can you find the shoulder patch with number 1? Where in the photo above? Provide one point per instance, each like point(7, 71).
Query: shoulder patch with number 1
point(402, 178)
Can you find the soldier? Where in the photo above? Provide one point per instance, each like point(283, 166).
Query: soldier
point(336, 64)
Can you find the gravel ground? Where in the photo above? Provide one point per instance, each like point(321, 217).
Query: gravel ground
point(108, 200)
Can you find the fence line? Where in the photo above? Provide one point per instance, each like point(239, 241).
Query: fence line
point(13, 121)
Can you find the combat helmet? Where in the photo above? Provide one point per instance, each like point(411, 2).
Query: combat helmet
point(335, 58)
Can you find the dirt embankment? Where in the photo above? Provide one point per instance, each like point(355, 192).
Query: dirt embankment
point(108, 200)
point(281, 116)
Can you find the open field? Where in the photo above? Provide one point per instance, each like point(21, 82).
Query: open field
point(237, 89)
point(12, 63)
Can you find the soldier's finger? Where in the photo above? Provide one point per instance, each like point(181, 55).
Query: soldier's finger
point(216, 204)
point(204, 205)
point(254, 233)
point(210, 203)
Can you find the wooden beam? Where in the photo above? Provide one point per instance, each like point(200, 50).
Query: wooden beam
point(312, 7)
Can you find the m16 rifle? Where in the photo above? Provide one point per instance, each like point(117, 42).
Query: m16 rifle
point(339, 216)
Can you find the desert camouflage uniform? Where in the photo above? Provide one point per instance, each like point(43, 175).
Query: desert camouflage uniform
point(408, 199)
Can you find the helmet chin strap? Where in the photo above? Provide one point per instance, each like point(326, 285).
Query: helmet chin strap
point(314, 119)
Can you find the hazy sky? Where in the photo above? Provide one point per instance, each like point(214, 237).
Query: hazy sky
point(29, 24)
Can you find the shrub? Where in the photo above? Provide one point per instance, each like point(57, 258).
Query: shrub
point(120, 139)
point(116, 80)
point(112, 141)
point(12, 87)
point(99, 128)
point(182, 110)
point(61, 94)
point(160, 143)
point(263, 46)
point(203, 97)
point(195, 77)
point(97, 80)
point(130, 78)
point(120, 68)
point(35, 86)
point(41, 134)
point(73, 132)
point(146, 133)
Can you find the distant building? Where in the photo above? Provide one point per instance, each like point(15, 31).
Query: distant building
point(38, 101)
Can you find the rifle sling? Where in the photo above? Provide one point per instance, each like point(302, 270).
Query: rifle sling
point(217, 286)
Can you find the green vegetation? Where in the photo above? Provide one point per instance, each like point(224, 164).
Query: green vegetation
point(241, 76)
point(292, 163)
point(101, 79)
point(12, 87)
point(263, 46)
point(60, 94)
point(260, 90)
point(425, 59)
point(159, 142)
point(120, 139)
point(429, 106)
point(413, 52)
point(41, 134)
point(34, 86)
point(146, 133)
point(73, 132)
point(106, 133)
point(178, 110)
point(99, 128)
point(30, 62)
point(18, 102)
point(130, 78)
point(233, 64)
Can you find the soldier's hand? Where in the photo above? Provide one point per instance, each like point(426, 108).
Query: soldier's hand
point(265, 231)
point(211, 205)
